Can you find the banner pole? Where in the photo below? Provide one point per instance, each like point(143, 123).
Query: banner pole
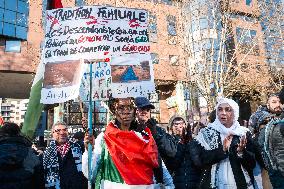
point(90, 129)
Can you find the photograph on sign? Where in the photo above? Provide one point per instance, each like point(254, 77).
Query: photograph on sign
point(131, 73)
point(61, 74)
point(132, 76)
point(61, 81)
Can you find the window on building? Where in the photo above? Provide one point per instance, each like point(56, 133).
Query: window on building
point(13, 18)
point(247, 41)
point(174, 60)
point(155, 58)
point(13, 46)
point(248, 2)
point(154, 99)
point(203, 23)
point(194, 25)
point(80, 3)
point(172, 25)
point(152, 28)
point(99, 118)
point(168, 2)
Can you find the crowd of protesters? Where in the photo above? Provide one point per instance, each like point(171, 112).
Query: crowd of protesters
point(133, 151)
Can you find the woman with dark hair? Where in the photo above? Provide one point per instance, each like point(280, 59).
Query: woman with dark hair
point(185, 174)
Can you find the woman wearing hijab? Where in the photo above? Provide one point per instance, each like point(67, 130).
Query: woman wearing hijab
point(224, 150)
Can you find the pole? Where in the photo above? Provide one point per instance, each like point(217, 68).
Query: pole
point(90, 130)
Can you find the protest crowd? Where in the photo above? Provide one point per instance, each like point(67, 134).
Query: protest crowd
point(132, 151)
point(135, 152)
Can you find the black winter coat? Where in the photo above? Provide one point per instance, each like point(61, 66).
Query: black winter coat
point(20, 168)
point(185, 174)
point(166, 147)
point(69, 176)
point(204, 159)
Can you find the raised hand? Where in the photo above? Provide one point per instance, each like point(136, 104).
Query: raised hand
point(89, 140)
point(242, 144)
point(227, 142)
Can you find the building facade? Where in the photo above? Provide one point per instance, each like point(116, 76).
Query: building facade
point(13, 110)
point(226, 51)
point(21, 36)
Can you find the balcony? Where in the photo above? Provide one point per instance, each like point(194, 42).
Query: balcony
point(6, 115)
point(4, 109)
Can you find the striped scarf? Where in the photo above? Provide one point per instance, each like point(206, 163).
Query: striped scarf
point(51, 165)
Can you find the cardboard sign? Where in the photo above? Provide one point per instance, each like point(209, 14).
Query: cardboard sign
point(90, 31)
point(101, 82)
point(117, 36)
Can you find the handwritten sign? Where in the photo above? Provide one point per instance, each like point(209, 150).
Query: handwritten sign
point(100, 83)
point(117, 36)
point(90, 31)
point(132, 76)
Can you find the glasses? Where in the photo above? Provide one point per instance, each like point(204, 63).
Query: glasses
point(59, 130)
point(125, 108)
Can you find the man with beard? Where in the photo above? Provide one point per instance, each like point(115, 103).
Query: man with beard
point(123, 155)
point(264, 113)
point(271, 141)
point(258, 120)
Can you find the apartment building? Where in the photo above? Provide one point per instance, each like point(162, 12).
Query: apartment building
point(13, 109)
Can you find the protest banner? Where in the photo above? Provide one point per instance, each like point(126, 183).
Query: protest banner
point(90, 31)
point(104, 34)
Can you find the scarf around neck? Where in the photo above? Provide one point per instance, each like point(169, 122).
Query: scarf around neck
point(236, 128)
point(51, 164)
point(63, 149)
point(208, 137)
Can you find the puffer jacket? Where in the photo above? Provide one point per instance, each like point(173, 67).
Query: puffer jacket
point(20, 168)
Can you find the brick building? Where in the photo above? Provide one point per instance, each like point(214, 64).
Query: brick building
point(21, 35)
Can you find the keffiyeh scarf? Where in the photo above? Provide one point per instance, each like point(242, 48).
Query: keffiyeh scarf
point(51, 165)
point(208, 137)
point(63, 149)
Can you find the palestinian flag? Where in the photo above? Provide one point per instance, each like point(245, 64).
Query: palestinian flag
point(127, 160)
point(35, 107)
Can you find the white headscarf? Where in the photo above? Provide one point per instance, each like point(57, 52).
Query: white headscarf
point(235, 129)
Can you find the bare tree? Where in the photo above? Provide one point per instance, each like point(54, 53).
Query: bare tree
point(226, 52)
